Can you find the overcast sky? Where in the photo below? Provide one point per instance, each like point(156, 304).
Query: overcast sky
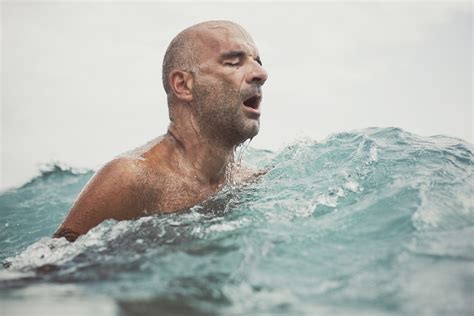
point(81, 82)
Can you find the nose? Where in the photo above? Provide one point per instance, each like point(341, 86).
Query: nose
point(257, 74)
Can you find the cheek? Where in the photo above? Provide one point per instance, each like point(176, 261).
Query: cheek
point(230, 78)
point(217, 94)
point(224, 94)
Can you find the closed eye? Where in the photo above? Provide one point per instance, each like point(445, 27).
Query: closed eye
point(232, 63)
point(233, 58)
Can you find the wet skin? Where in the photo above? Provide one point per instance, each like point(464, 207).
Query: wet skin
point(214, 108)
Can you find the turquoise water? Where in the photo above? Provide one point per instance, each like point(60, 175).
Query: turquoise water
point(370, 222)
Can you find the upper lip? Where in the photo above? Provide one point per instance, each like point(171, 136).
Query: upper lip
point(253, 100)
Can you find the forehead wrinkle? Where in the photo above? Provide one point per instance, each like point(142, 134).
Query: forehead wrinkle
point(237, 45)
point(222, 37)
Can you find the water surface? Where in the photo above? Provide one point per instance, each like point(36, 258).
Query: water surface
point(370, 222)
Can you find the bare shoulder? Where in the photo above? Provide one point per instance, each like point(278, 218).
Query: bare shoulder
point(114, 192)
point(121, 179)
point(126, 170)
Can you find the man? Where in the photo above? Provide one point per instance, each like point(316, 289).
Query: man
point(212, 75)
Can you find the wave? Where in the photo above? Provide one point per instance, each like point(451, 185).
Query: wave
point(55, 171)
point(357, 223)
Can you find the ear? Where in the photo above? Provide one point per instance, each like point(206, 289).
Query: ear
point(181, 82)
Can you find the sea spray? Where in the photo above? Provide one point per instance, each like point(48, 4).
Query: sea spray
point(377, 221)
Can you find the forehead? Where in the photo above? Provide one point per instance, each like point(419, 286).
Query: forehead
point(219, 38)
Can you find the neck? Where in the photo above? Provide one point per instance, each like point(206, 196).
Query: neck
point(204, 158)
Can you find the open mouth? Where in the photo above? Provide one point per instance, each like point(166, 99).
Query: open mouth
point(253, 102)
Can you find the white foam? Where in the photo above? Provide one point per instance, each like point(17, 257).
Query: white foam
point(351, 186)
point(45, 251)
point(328, 200)
point(11, 275)
point(373, 154)
point(227, 226)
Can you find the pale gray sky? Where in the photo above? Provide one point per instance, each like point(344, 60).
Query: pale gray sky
point(81, 82)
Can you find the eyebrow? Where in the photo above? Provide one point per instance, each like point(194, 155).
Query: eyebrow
point(238, 54)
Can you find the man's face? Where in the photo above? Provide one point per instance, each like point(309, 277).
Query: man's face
point(227, 87)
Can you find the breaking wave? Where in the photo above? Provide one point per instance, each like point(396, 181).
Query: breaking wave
point(377, 221)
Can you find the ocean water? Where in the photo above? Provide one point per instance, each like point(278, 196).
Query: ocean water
point(376, 221)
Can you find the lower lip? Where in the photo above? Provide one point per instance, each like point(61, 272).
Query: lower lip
point(255, 112)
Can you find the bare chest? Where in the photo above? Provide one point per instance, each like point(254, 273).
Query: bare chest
point(175, 194)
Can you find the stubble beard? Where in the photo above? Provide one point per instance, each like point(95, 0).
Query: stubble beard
point(220, 116)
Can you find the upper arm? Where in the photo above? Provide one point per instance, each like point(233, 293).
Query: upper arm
point(114, 192)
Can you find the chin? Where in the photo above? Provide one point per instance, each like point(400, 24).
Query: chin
point(250, 130)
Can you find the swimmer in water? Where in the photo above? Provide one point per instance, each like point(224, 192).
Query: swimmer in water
point(212, 75)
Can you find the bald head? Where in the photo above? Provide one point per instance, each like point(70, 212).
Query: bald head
point(183, 51)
